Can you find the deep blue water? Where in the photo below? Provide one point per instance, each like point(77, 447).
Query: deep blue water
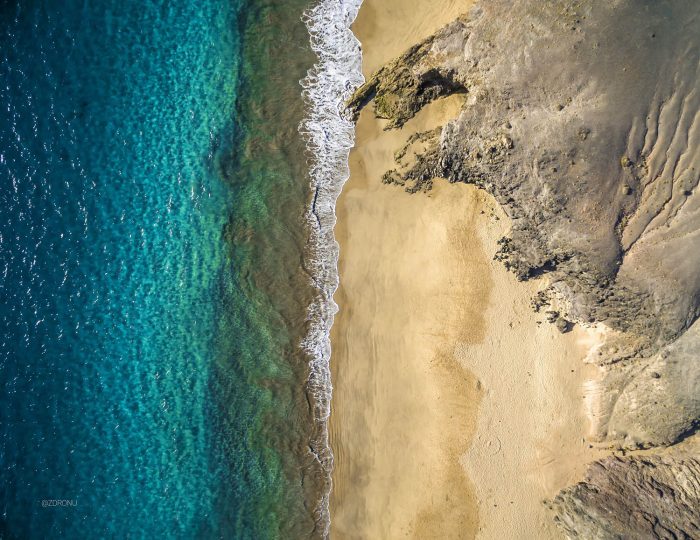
point(129, 358)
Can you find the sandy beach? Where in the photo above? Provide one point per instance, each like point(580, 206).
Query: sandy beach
point(456, 408)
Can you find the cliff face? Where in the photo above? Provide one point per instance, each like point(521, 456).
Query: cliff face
point(583, 121)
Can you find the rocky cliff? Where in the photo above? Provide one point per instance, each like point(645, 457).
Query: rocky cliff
point(582, 119)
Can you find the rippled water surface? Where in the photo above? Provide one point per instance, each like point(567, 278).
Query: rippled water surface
point(152, 297)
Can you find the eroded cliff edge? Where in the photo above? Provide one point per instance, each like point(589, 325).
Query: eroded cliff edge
point(583, 120)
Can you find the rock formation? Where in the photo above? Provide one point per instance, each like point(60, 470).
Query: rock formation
point(582, 119)
point(664, 503)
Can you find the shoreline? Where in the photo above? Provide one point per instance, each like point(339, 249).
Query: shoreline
point(325, 88)
point(436, 349)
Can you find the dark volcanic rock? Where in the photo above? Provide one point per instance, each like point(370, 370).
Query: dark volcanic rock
point(641, 498)
point(403, 87)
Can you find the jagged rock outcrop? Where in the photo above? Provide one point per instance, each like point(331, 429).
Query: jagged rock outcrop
point(582, 119)
point(664, 502)
point(405, 86)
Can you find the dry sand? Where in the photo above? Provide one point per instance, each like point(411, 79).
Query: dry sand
point(455, 410)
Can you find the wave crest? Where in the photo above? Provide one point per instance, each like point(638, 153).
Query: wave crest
point(329, 137)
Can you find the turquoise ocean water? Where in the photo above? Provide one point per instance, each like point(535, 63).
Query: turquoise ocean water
point(153, 289)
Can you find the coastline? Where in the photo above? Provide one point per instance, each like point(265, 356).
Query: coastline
point(447, 385)
point(327, 85)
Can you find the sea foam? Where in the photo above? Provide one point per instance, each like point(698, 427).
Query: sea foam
point(329, 136)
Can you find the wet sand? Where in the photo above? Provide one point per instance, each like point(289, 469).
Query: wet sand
point(455, 410)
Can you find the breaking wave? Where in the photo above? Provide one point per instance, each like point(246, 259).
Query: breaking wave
point(329, 137)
